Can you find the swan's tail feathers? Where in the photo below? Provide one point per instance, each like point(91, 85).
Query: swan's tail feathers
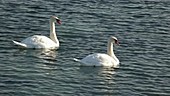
point(77, 60)
point(19, 44)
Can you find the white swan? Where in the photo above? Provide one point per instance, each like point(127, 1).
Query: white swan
point(42, 42)
point(100, 59)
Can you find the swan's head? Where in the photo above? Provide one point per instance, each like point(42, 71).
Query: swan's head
point(114, 39)
point(55, 19)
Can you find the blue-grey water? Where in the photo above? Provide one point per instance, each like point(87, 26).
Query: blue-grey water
point(143, 30)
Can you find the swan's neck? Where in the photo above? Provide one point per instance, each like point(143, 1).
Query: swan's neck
point(110, 50)
point(52, 32)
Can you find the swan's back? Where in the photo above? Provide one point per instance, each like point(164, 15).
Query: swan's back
point(38, 41)
point(99, 59)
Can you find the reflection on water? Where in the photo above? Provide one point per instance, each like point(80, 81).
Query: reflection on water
point(104, 73)
point(96, 70)
point(42, 58)
point(40, 53)
point(98, 80)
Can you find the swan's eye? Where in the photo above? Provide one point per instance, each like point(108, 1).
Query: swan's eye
point(117, 42)
point(58, 21)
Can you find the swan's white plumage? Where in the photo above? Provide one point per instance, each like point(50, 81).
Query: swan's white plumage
point(38, 41)
point(42, 42)
point(100, 59)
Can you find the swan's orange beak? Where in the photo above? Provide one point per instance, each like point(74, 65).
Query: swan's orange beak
point(58, 21)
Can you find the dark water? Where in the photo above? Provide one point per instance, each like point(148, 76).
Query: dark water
point(142, 27)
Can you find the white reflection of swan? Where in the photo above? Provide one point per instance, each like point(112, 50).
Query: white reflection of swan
point(39, 60)
point(45, 54)
point(92, 76)
point(97, 70)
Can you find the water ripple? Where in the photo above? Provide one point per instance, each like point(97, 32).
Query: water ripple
point(142, 28)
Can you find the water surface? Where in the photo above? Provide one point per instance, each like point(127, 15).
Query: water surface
point(142, 27)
